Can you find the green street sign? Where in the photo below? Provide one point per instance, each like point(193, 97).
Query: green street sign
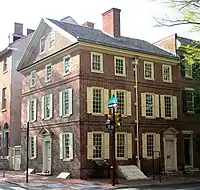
point(113, 100)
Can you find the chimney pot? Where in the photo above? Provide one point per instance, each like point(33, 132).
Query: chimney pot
point(88, 24)
point(18, 28)
point(111, 22)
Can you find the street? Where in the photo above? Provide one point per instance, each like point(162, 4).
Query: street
point(8, 186)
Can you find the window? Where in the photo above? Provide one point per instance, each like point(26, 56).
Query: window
point(48, 73)
point(66, 146)
point(52, 39)
point(168, 106)
point(98, 145)
point(42, 45)
point(96, 62)
point(3, 106)
point(5, 64)
point(32, 147)
point(167, 73)
point(32, 105)
point(66, 101)
point(121, 102)
point(148, 70)
point(47, 107)
point(188, 70)
point(121, 145)
point(97, 100)
point(66, 61)
point(120, 69)
point(150, 105)
point(150, 144)
point(189, 100)
point(33, 78)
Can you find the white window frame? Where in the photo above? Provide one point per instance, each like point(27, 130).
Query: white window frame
point(154, 143)
point(32, 155)
point(152, 69)
point(102, 98)
point(32, 84)
point(5, 62)
point(63, 148)
point(125, 146)
point(188, 75)
point(170, 73)
point(192, 90)
point(46, 66)
point(44, 114)
point(64, 65)
point(42, 38)
point(32, 118)
point(70, 102)
point(52, 37)
point(153, 111)
point(101, 62)
point(124, 66)
point(171, 97)
point(125, 98)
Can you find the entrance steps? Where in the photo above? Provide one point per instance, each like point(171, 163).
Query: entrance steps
point(130, 172)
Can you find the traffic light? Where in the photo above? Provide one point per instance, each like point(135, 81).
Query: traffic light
point(118, 119)
point(108, 119)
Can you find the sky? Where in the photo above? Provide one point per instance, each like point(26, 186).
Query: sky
point(137, 16)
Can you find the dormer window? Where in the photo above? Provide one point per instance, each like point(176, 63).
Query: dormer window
point(42, 45)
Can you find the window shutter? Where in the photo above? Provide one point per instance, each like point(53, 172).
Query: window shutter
point(28, 111)
point(35, 110)
point(182, 64)
point(43, 101)
point(106, 145)
point(113, 92)
point(156, 105)
point(144, 145)
point(162, 106)
point(128, 103)
point(157, 144)
point(71, 146)
point(184, 101)
point(51, 105)
point(35, 146)
point(129, 145)
point(143, 104)
point(106, 98)
point(89, 146)
point(60, 104)
point(89, 100)
point(174, 106)
point(61, 145)
point(70, 101)
point(29, 146)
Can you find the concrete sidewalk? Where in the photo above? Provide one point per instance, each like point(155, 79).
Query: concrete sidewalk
point(51, 182)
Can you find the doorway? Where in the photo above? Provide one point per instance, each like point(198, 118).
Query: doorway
point(188, 148)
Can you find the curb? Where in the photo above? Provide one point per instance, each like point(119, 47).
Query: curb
point(157, 185)
point(15, 183)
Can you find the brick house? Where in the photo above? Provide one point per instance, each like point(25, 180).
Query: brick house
point(10, 90)
point(70, 71)
point(189, 110)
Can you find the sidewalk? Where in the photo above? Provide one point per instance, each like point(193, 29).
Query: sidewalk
point(51, 182)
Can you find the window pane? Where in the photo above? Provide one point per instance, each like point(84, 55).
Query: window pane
point(149, 105)
point(66, 65)
point(97, 100)
point(96, 62)
point(168, 106)
point(166, 73)
point(150, 144)
point(190, 100)
point(148, 70)
point(97, 143)
point(120, 145)
point(47, 106)
point(119, 66)
point(65, 95)
point(66, 145)
point(48, 73)
point(120, 107)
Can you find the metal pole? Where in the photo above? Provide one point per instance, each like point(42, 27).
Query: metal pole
point(27, 150)
point(4, 164)
point(153, 169)
point(113, 151)
point(137, 114)
point(159, 166)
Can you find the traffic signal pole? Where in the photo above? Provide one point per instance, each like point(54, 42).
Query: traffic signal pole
point(113, 150)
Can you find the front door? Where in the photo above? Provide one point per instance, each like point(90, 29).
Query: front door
point(188, 150)
point(47, 156)
point(169, 146)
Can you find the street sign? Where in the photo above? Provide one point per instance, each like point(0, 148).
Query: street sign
point(113, 102)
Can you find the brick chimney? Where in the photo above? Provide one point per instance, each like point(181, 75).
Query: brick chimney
point(111, 22)
point(88, 24)
point(18, 31)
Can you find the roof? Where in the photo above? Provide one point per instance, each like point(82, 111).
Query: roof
point(187, 41)
point(96, 36)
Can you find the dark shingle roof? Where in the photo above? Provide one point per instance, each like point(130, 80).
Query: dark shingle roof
point(187, 41)
point(95, 36)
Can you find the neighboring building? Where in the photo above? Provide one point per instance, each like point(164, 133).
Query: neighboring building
point(10, 91)
point(70, 71)
point(189, 151)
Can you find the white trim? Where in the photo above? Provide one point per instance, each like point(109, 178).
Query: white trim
point(170, 73)
point(189, 89)
point(64, 58)
point(46, 73)
point(42, 38)
point(31, 77)
point(124, 66)
point(101, 62)
point(152, 68)
point(188, 132)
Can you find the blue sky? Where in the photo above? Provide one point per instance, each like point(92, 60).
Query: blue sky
point(136, 16)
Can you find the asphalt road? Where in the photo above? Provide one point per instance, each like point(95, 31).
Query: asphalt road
point(7, 186)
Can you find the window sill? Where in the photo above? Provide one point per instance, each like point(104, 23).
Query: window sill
point(3, 110)
point(166, 81)
point(32, 86)
point(94, 71)
point(146, 78)
point(150, 117)
point(119, 159)
point(32, 158)
point(46, 81)
point(189, 77)
point(190, 112)
point(46, 119)
point(168, 118)
point(66, 74)
point(97, 114)
point(68, 115)
point(120, 75)
point(41, 53)
point(67, 159)
point(32, 121)
point(51, 48)
point(5, 71)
